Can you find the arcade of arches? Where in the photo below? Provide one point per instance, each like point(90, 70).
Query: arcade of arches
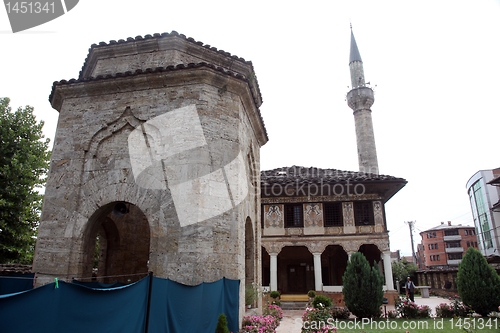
point(296, 269)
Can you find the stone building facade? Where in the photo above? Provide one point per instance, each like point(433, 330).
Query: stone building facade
point(155, 166)
point(314, 219)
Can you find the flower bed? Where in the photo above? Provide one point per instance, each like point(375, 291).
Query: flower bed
point(267, 323)
point(455, 309)
point(410, 310)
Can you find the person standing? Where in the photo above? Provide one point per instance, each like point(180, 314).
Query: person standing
point(410, 289)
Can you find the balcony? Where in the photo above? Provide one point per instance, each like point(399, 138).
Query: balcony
point(452, 238)
point(454, 262)
point(454, 250)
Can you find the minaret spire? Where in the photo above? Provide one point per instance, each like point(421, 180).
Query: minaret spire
point(360, 99)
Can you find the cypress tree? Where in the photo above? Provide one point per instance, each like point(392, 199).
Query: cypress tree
point(478, 283)
point(222, 324)
point(363, 293)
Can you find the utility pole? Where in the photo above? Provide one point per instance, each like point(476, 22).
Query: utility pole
point(410, 224)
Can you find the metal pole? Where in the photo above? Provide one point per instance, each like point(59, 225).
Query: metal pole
point(410, 224)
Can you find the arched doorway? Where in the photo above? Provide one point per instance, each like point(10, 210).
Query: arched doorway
point(334, 261)
point(373, 255)
point(116, 244)
point(371, 252)
point(295, 270)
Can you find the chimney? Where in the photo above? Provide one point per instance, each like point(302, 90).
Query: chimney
point(449, 222)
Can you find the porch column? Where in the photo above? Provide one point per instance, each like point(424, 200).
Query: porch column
point(318, 281)
point(386, 257)
point(274, 271)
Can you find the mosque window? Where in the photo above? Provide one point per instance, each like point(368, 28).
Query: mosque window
point(294, 216)
point(333, 214)
point(363, 213)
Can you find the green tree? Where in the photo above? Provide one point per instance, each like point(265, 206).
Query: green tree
point(363, 293)
point(478, 283)
point(222, 324)
point(24, 161)
point(402, 269)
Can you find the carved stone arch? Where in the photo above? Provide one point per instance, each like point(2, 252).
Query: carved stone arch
point(127, 118)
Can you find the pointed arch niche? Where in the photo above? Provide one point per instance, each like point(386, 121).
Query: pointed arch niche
point(116, 244)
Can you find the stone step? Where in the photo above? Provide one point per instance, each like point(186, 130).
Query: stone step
point(287, 305)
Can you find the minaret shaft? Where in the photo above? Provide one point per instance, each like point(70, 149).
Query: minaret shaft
point(360, 99)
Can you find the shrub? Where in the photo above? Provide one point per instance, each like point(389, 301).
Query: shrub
point(455, 309)
point(274, 294)
point(311, 293)
point(362, 288)
point(266, 323)
point(478, 283)
point(259, 324)
point(318, 321)
point(321, 301)
point(222, 324)
point(392, 314)
point(340, 312)
point(273, 310)
point(251, 294)
point(411, 310)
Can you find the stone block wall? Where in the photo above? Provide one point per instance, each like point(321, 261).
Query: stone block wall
point(160, 168)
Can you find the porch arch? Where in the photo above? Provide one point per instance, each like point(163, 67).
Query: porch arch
point(334, 263)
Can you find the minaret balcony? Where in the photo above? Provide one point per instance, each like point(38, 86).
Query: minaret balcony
point(360, 98)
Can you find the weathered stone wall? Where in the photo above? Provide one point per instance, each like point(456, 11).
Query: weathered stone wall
point(179, 147)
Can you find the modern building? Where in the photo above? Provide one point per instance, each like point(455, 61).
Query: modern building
point(444, 246)
point(314, 219)
point(484, 196)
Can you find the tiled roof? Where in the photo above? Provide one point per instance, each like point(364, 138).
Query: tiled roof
point(147, 71)
point(312, 175)
point(173, 34)
point(166, 34)
point(8, 269)
point(170, 68)
point(297, 181)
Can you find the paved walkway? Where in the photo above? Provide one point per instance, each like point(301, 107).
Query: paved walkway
point(292, 319)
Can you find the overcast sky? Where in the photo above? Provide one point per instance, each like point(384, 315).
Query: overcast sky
point(434, 66)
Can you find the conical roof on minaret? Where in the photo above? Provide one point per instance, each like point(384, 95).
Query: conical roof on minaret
point(354, 55)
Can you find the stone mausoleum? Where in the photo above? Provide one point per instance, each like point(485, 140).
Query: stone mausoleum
point(155, 166)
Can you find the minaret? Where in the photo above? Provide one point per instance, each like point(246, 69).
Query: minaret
point(360, 99)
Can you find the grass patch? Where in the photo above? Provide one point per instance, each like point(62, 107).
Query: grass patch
point(442, 325)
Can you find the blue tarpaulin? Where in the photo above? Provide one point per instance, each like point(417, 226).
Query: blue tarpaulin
point(174, 308)
point(10, 284)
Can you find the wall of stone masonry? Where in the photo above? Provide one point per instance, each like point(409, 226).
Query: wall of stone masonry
point(177, 146)
point(90, 170)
